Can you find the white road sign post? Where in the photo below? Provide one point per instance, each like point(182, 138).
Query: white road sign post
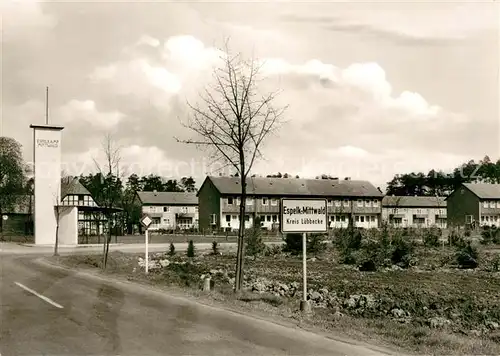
point(146, 222)
point(303, 216)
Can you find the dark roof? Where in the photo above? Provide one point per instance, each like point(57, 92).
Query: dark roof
point(296, 187)
point(72, 186)
point(22, 205)
point(168, 198)
point(412, 201)
point(484, 190)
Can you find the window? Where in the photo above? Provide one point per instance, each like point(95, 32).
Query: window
point(265, 201)
point(487, 218)
point(362, 218)
point(485, 204)
point(468, 219)
point(375, 203)
point(274, 201)
point(498, 204)
point(228, 218)
point(482, 217)
point(230, 201)
point(357, 218)
point(368, 203)
point(165, 209)
point(330, 202)
point(373, 218)
point(492, 204)
point(360, 203)
point(342, 218)
point(195, 209)
point(249, 201)
point(213, 219)
point(337, 218)
point(337, 203)
point(275, 218)
point(247, 217)
point(235, 217)
point(268, 218)
point(152, 209)
point(346, 203)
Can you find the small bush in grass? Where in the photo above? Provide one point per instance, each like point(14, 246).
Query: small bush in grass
point(402, 253)
point(293, 244)
point(490, 235)
point(495, 263)
point(348, 241)
point(215, 248)
point(254, 243)
point(456, 239)
point(171, 250)
point(273, 250)
point(431, 237)
point(467, 256)
point(316, 244)
point(190, 250)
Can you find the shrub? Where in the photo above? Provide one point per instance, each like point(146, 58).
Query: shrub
point(348, 241)
point(190, 250)
point(171, 251)
point(402, 252)
point(495, 263)
point(215, 248)
point(431, 237)
point(467, 256)
point(490, 235)
point(456, 239)
point(293, 243)
point(273, 250)
point(162, 231)
point(254, 243)
point(316, 244)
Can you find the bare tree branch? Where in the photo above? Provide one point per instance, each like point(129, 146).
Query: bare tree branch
point(233, 119)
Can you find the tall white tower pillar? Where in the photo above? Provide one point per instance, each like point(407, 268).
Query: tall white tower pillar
point(47, 159)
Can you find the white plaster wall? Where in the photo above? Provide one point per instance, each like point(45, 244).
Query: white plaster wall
point(68, 225)
point(47, 157)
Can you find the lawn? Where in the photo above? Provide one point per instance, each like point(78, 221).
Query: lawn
point(431, 307)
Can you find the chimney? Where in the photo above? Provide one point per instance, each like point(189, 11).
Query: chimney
point(347, 178)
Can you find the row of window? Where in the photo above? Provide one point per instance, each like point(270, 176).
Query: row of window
point(491, 204)
point(275, 201)
point(81, 200)
point(166, 209)
point(418, 211)
point(486, 218)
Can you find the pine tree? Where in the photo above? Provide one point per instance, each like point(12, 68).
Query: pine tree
point(171, 251)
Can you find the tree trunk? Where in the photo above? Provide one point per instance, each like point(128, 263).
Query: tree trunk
point(241, 234)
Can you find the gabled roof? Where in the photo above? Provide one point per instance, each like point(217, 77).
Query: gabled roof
point(413, 201)
point(484, 190)
point(296, 187)
point(168, 198)
point(72, 186)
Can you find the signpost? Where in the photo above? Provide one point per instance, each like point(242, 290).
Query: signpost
point(303, 216)
point(146, 222)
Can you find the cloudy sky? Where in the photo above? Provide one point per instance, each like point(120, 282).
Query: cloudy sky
point(374, 88)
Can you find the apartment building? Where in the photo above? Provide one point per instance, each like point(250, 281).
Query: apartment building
point(474, 204)
point(414, 211)
point(170, 210)
point(219, 201)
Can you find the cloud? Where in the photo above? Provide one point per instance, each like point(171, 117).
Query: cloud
point(406, 23)
point(84, 113)
point(23, 16)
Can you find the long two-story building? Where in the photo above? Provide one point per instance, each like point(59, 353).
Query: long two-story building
point(474, 204)
point(170, 210)
point(414, 211)
point(219, 201)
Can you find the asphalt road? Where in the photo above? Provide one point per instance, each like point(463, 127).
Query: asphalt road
point(47, 310)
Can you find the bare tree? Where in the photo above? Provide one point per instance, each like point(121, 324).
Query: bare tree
point(233, 119)
point(111, 179)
